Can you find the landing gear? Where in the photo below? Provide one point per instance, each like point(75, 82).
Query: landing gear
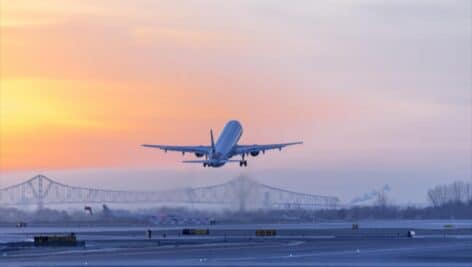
point(243, 162)
point(205, 165)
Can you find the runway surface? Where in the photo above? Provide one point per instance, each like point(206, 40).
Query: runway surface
point(294, 245)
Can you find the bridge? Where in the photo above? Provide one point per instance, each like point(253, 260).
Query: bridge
point(242, 192)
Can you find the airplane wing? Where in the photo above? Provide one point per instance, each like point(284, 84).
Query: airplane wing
point(190, 149)
point(245, 149)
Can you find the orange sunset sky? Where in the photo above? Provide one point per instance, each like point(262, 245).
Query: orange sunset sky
point(365, 85)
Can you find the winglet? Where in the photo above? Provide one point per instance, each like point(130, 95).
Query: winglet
point(212, 141)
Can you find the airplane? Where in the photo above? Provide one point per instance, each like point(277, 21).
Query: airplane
point(226, 147)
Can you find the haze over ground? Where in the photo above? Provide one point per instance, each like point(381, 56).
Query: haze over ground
point(380, 92)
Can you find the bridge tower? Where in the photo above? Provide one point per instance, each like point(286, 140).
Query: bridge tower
point(39, 186)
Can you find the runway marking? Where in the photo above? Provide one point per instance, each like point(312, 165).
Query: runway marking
point(157, 249)
point(344, 252)
point(295, 243)
point(238, 261)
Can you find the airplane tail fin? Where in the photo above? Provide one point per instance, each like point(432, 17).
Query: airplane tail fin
point(212, 141)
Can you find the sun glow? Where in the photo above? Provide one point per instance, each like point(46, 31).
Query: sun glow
point(28, 103)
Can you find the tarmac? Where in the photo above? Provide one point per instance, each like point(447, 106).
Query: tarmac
point(373, 244)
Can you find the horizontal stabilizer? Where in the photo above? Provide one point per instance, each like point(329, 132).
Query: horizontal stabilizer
point(195, 161)
point(207, 161)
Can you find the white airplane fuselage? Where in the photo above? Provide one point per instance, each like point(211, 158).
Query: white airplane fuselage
point(225, 144)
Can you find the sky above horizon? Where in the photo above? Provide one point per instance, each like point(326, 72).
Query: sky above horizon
point(380, 92)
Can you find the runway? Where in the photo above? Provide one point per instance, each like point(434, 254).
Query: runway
point(233, 246)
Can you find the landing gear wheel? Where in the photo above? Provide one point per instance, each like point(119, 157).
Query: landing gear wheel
point(243, 163)
point(204, 165)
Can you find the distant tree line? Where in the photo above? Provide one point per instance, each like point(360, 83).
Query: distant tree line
point(450, 201)
point(457, 192)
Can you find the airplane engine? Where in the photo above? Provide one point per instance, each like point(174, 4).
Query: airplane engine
point(199, 155)
point(255, 153)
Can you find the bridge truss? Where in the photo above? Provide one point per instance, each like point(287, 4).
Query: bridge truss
point(241, 192)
